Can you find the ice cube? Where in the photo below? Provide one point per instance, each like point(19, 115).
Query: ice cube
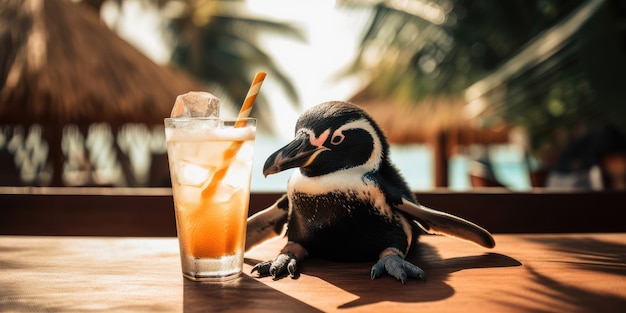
point(196, 104)
point(225, 193)
point(190, 174)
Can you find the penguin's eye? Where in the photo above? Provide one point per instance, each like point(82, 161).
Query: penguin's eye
point(337, 138)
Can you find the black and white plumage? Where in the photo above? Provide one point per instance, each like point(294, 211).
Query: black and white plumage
point(347, 202)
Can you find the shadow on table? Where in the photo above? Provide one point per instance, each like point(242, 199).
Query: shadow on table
point(552, 293)
point(355, 277)
point(244, 293)
point(589, 254)
point(434, 288)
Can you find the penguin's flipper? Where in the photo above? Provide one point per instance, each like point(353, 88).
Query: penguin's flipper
point(268, 223)
point(441, 223)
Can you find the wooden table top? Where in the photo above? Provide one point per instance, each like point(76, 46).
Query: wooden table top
point(523, 273)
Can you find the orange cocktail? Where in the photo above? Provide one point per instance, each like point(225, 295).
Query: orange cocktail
point(210, 164)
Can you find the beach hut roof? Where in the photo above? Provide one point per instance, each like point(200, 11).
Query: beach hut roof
point(59, 62)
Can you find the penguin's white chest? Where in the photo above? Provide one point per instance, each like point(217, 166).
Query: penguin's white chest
point(346, 182)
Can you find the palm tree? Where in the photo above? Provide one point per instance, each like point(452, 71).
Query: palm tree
point(441, 47)
point(216, 41)
point(565, 83)
point(445, 49)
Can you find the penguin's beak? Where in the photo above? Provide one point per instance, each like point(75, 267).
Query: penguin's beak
point(298, 153)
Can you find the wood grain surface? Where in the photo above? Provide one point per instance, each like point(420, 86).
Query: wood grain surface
point(523, 273)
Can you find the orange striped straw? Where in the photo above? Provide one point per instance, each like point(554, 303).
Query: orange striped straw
point(232, 150)
point(244, 112)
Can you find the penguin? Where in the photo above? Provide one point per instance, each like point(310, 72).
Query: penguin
point(347, 202)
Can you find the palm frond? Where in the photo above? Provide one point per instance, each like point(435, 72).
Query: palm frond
point(217, 42)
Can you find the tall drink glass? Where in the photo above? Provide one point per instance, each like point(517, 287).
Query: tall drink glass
point(210, 162)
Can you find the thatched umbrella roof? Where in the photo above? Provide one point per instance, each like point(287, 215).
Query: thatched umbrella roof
point(59, 62)
point(438, 121)
point(423, 121)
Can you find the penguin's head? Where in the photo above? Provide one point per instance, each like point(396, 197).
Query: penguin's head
point(329, 137)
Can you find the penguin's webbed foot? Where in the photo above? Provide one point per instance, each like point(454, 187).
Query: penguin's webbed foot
point(397, 267)
point(283, 264)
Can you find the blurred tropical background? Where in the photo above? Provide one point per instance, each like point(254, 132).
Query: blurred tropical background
point(512, 94)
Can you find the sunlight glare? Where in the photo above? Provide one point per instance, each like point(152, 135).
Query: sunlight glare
point(331, 43)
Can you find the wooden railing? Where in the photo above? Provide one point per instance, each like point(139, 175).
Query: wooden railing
point(150, 212)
